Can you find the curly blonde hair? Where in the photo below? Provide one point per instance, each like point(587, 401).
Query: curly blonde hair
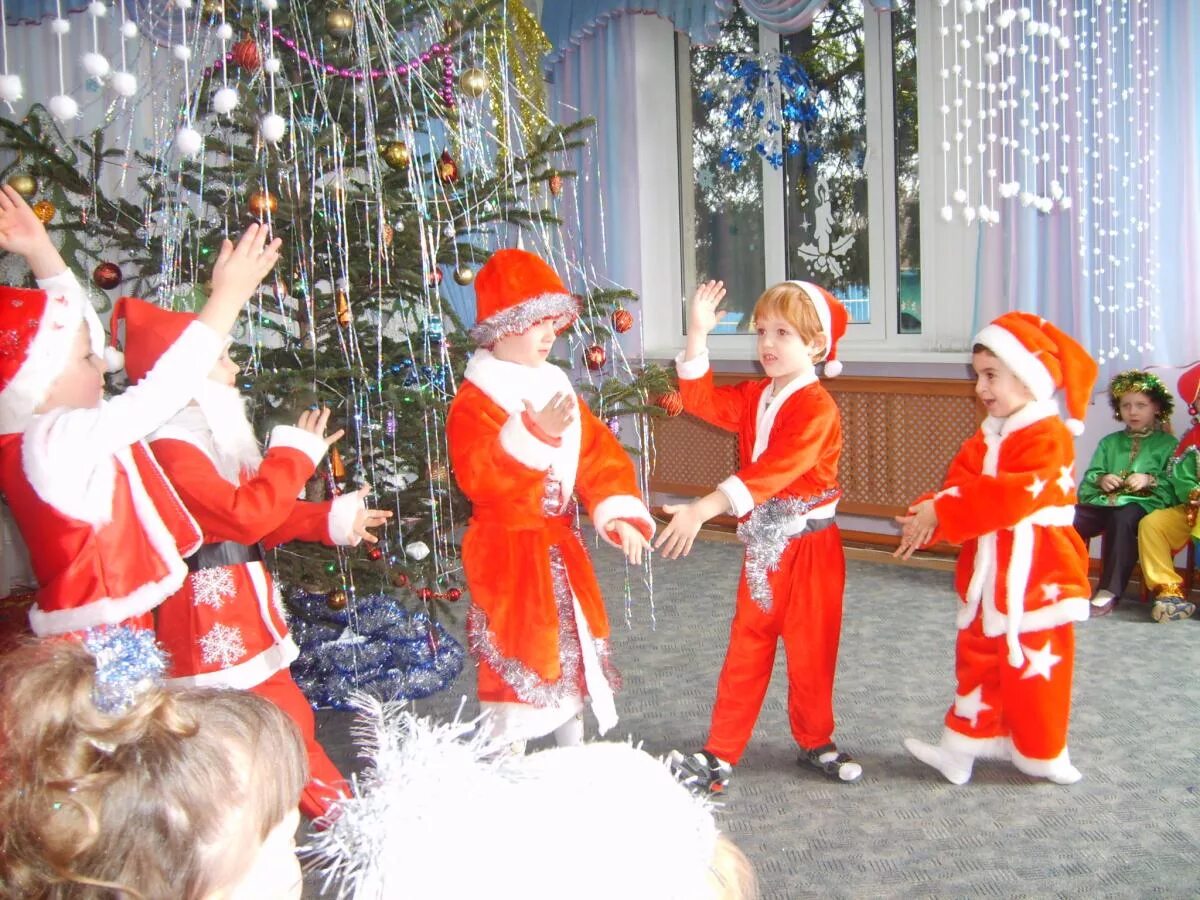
point(160, 801)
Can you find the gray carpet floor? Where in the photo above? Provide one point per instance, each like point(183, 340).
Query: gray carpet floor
point(1131, 828)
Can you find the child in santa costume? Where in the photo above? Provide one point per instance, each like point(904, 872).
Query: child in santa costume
point(1164, 531)
point(225, 627)
point(105, 532)
point(785, 495)
point(521, 446)
point(1127, 478)
point(1009, 499)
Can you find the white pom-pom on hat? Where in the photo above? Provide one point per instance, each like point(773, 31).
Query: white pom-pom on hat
point(96, 64)
point(1075, 426)
point(11, 89)
point(225, 101)
point(63, 107)
point(124, 83)
point(833, 368)
point(114, 359)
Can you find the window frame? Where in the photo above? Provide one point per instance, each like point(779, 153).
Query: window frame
point(880, 337)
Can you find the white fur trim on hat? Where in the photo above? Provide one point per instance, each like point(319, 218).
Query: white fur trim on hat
point(517, 319)
point(1014, 354)
point(833, 366)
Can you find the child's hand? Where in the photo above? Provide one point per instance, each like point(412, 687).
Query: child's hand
point(237, 272)
point(368, 518)
point(555, 416)
point(677, 538)
point(917, 528)
point(632, 541)
point(1109, 483)
point(315, 421)
point(23, 233)
point(703, 308)
point(1138, 482)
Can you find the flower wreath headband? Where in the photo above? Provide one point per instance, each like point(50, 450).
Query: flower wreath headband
point(1138, 382)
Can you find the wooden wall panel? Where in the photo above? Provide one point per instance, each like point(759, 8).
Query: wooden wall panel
point(900, 435)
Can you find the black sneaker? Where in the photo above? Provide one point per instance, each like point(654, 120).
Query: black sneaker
point(702, 772)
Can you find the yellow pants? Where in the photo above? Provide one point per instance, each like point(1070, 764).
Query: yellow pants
point(1160, 534)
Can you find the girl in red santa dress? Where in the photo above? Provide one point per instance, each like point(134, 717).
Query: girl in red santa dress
point(1009, 499)
point(105, 532)
point(521, 446)
point(785, 494)
point(225, 627)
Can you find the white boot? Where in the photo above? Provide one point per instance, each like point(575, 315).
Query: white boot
point(954, 764)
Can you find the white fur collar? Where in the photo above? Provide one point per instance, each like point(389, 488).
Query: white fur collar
point(769, 405)
point(507, 384)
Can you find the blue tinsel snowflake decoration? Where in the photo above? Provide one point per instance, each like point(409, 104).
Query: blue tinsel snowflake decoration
point(373, 645)
point(766, 106)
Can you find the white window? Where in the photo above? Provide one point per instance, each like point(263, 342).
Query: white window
point(842, 209)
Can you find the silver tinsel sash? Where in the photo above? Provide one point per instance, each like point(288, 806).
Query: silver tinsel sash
point(767, 532)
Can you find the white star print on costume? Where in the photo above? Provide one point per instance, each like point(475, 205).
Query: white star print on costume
point(1040, 661)
point(1036, 486)
point(223, 646)
point(212, 586)
point(969, 706)
point(1051, 592)
point(1064, 481)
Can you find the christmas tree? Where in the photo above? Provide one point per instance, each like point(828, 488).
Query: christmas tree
point(393, 147)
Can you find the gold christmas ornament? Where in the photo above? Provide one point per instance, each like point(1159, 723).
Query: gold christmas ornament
point(464, 275)
point(389, 234)
point(24, 184)
point(396, 154)
point(213, 8)
point(556, 184)
point(44, 210)
point(337, 600)
point(339, 22)
point(343, 312)
point(474, 82)
point(261, 203)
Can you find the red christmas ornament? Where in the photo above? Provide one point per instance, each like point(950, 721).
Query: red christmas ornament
point(622, 320)
point(672, 402)
point(375, 554)
point(454, 595)
point(107, 276)
point(556, 184)
point(447, 168)
point(434, 278)
point(245, 54)
point(400, 579)
point(594, 356)
point(426, 594)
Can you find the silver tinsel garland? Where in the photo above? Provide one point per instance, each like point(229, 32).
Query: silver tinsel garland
point(766, 534)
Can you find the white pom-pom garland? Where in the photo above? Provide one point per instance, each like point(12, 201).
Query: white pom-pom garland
point(182, 52)
point(124, 83)
point(272, 66)
point(63, 107)
point(11, 89)
point(225, 101)
point(60, 26)
point(129, 30)
point(98, 9)
point(225, 31)
point(96, 65)
point(188, 141)
point(272, 128)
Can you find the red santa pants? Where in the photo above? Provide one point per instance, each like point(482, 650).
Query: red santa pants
point(1031, 704)
point(325, 782)
point(807, 613)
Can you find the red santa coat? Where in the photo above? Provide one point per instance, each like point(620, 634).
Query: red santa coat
point(513, 541)
point(105, 532)
point(1009, 499)
point(225, 626)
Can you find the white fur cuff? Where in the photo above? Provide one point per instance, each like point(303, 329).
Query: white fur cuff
point(525, 447)
point(691, 369)
point(620, 506)
point(342, 513)
point(311, 445)
point(740, 500)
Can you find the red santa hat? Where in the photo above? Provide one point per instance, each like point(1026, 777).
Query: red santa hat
point(834, 319)
point(149, 331)
point(1189, 389)
point(37, 331)
point(1045, 359)
point(514, 291)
